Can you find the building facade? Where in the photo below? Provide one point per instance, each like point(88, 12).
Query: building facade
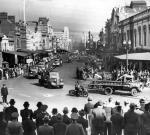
point(137, 29)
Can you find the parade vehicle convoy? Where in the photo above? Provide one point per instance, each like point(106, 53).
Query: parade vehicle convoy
point(51, 79)
point(33, 72)
point(125, 83)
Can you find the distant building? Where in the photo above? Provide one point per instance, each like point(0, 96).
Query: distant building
point(63, 39)
point(7, 28)
point(44, 29)
point(33, 37)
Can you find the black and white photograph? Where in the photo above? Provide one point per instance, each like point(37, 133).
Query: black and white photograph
point(75, 67)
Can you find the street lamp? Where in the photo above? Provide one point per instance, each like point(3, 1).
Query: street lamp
point(127, 45)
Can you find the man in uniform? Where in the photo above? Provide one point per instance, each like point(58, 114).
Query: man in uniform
point(4, 93)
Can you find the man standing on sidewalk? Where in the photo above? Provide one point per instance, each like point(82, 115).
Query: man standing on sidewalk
point(4, 93)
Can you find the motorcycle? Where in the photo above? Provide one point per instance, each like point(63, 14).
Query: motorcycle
point(81, 93)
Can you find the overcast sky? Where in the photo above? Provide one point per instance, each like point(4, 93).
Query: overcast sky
point(79, 15)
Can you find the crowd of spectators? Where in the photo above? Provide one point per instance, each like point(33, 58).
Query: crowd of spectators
point(141, 75)
point(7, 73)
point(100, 118)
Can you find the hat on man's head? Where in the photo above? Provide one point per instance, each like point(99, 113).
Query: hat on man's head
point(81, 112)
point(74, 116)
point(46, 119)
point(14, 115)
point(74, 110)
point(65, 110)
point(142, 100)
point(59, 117)
point(26, 104)
point(132, 106)
point(12, 101)
point(89, 99)
point(44, 107)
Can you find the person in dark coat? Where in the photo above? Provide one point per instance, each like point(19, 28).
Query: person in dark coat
point(131, 121)
point(117, 122)
point(3, 124)
point(45, 129)
point(66, 118)
point(14, 127)
point(28, 125)
point(37, 113)
point(88, 106)
point(4, 93)
point(25, 111)
point(81, 120)
point(54, 117)
point(60, 126)
point(9, 110)
point(74, 128)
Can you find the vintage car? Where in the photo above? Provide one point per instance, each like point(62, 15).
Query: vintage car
point(32, 72)
point(51, 79)
point(57, 62)
point(125, 83)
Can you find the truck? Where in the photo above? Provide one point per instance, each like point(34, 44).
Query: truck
point(124, 83)
point(51, 79)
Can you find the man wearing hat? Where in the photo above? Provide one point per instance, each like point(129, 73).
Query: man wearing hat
point(4, 93)
point(66, 118)
point(59, 126)
point(45, 129)
point(98, 119)
point(131, 121)
point(14, 127)
point(74, 128)
point(9, 110)
point(140, 110)
point(81, 120)
point(88, 106)
point(145, 120)
point(25, 111)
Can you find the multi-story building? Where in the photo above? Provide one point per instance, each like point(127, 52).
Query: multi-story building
point(7, 30)
point(128, 23)
point(63, 39)
point(43, 28)
point(33, 37)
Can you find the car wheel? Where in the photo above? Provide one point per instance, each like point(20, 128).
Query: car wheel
point(85, 94)
point(134, 92)
point(71, 92)
point(108, 91)
point(61, 86)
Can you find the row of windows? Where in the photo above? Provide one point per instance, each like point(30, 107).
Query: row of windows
point(138, 33)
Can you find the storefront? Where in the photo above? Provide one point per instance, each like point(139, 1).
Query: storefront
point(138, 61)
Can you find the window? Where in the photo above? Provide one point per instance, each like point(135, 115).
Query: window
point(128, 35)
point(124, 37)
point(139, 31)
point(145, 34)
point(135, 37)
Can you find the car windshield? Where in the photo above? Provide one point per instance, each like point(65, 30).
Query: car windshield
point(54, 75)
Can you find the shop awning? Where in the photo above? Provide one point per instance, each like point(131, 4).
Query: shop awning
point(135, 56)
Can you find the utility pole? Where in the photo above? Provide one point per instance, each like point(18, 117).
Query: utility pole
point(24, 12)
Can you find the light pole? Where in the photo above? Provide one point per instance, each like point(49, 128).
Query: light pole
point(127, 45)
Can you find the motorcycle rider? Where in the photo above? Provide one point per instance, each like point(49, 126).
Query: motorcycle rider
point(77, 88)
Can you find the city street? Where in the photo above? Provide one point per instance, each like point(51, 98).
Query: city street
point(22, 89)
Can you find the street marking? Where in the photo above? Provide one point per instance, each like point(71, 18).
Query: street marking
point(48, 95)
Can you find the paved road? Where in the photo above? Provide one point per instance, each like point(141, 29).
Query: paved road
point(23, 89)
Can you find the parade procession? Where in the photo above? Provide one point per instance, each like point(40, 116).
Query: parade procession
point(70, 67)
